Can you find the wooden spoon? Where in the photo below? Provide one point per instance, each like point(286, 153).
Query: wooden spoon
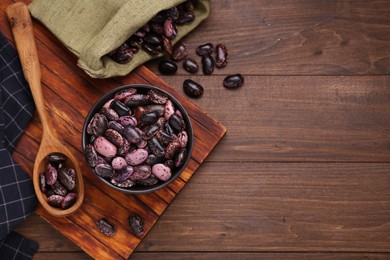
point(21, 25)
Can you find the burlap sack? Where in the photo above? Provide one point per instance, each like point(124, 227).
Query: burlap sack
point(92, 28)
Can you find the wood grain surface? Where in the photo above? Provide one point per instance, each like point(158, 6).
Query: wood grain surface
point(304, 169)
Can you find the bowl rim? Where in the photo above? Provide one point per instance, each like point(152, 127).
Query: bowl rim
point(189, 129)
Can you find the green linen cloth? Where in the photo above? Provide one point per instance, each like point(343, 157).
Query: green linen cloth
point(92, 28)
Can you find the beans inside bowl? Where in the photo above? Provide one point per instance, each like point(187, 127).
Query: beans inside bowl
point(137, 138)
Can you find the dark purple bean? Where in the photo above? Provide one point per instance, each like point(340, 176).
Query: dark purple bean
point(192, 89)
point(104, 170)
point(156, 147)
point(167, 67)
point(180, 51)
point(148, 118)
point(116, 126)
point(152, 39)
point(233, 81)
point(69, 200)
point(158, 109)
point(137, 225)
point(186, 17)
point(205, 49)
point(120, 108)
point(131, 134)
point(207, 64)
point(191, 65)
point(153, 159)
point(221, 57)
point(106, 227)
point(177, 123)
point(160, 17)
point(150, 131)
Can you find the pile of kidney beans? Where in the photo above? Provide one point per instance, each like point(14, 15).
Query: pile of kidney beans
point(156, 35)
point(58, 183)
point(137, 139)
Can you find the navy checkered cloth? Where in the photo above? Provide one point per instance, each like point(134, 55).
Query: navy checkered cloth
point(17, 196)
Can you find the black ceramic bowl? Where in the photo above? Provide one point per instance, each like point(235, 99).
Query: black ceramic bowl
point(142, 89)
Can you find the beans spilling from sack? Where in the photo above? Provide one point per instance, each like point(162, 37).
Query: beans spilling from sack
point(157, 35)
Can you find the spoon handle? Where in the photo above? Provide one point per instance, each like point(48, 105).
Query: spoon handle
point(21, 26)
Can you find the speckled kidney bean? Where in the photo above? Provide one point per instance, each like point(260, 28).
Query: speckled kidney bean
point(137, 225)
point(104, 147)
point(114, 137)
point(109, 113)
point(106, 227)
point(136, 157)
point(118, 163)
point(180, 51)
point(221, 56)
point(161, 172)
point(69, 200)
point(67, 177)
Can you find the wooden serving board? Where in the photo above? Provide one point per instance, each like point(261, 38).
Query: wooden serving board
point(69, 95)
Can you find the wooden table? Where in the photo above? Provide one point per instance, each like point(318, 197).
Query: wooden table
point(304, 169)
